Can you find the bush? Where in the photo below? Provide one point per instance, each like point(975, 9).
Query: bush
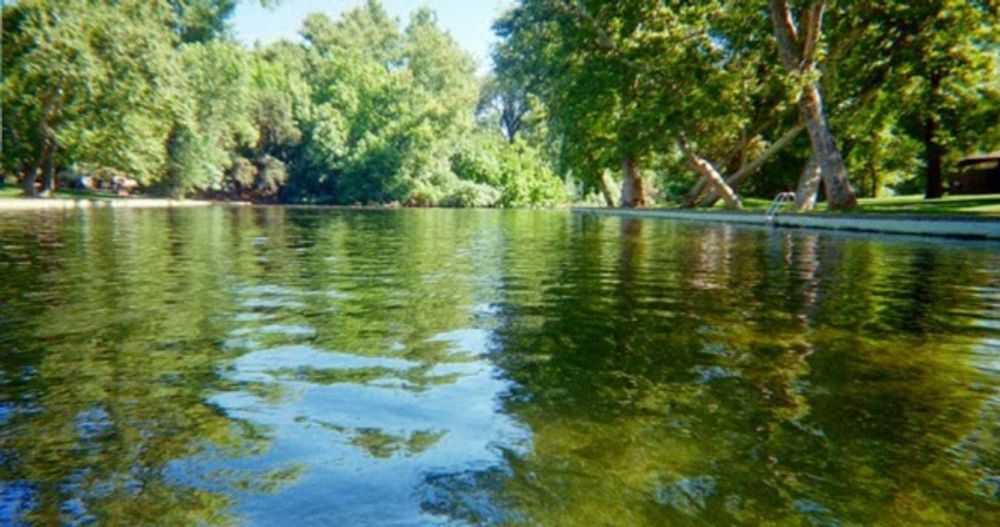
point(517, 170)
point(469, 194)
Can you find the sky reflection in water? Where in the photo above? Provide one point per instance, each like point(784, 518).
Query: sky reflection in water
point(273, 367)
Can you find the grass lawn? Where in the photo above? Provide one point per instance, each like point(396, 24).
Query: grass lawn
point(979, 205)
point(10, 192)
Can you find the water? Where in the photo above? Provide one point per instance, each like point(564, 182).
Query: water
point(303, 367)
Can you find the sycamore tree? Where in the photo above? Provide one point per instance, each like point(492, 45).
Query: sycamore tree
point(950, 72)
point(911, 88)
point(798, 36)
point(643, 83)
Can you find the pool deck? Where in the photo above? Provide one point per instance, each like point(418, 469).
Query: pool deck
point(914, 224)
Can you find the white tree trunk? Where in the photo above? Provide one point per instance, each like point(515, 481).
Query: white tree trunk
point(606, 189)
point(831, 165)
point(806, 192)
point(633, 188)
point(797, 53)
point(708, 172)
point(752, 166)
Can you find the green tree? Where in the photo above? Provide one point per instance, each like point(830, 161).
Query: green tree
point(950, 72)
point(212, 118)
point(626, 84)
point(387, 106)
point(516, 169)
point(201, 20)
point(85, 82)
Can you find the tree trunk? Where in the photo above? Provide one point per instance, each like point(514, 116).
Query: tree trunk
point(29, 181)
point(633, 188)
point(605, 186)
point(808, 189)
point(39, 164)
point(48, 171)
point(932, 147)
point(747, 169)
point(934, 152)
point(797, 53)
point(831, 165)
point(708, 172)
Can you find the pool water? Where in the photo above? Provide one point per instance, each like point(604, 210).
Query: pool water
point(271, 366)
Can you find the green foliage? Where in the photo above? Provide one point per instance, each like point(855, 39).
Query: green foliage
point(516, 169)
point(469, 194)
point(623, 79)
point(364, 111)
point(86, 81)
point(369, 110)
point(387, 107)
point(200, 20)
point(936, 62)
point(212, 117)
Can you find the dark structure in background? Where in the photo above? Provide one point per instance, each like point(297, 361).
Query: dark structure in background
point(977, 175)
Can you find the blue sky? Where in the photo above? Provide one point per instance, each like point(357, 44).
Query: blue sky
point(468, 21)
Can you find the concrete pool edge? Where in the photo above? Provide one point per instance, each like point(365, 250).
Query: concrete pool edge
point(950, 226)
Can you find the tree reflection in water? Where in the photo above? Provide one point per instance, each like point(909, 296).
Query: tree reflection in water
point(712, 375)
point(267, 366)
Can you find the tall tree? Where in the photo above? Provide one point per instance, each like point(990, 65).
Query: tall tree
point(85, 82)
point(951, 67)
point(212, 118)
point(624, 82)
point(798, 45)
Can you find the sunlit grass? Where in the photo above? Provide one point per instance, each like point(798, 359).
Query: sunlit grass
point(984, 204)
point(976, 205)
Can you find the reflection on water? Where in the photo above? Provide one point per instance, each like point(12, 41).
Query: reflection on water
point(279, 367)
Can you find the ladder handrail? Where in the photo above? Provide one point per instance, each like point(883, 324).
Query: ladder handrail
point(776, 203)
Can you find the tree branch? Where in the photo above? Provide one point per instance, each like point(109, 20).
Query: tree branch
point(814, 26)
point(785, 33)
point(705, 168)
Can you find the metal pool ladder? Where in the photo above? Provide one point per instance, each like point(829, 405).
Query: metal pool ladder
point(776, 204)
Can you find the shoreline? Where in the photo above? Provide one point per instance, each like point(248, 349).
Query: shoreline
point(942, 225)
point(954, 226)
point(26, 204)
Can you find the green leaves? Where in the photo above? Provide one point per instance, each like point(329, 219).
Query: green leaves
point(213, 116)
point(622, 80)
point(90, 76)
point(389, 107)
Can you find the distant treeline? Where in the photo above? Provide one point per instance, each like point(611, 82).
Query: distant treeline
point(630, 102)
point(363, 110)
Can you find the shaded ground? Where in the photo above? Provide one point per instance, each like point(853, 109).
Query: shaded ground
point(9, 192)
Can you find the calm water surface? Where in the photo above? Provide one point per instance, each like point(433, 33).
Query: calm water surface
point(303, 367)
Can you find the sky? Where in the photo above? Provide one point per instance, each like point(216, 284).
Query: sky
point(468, 21)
